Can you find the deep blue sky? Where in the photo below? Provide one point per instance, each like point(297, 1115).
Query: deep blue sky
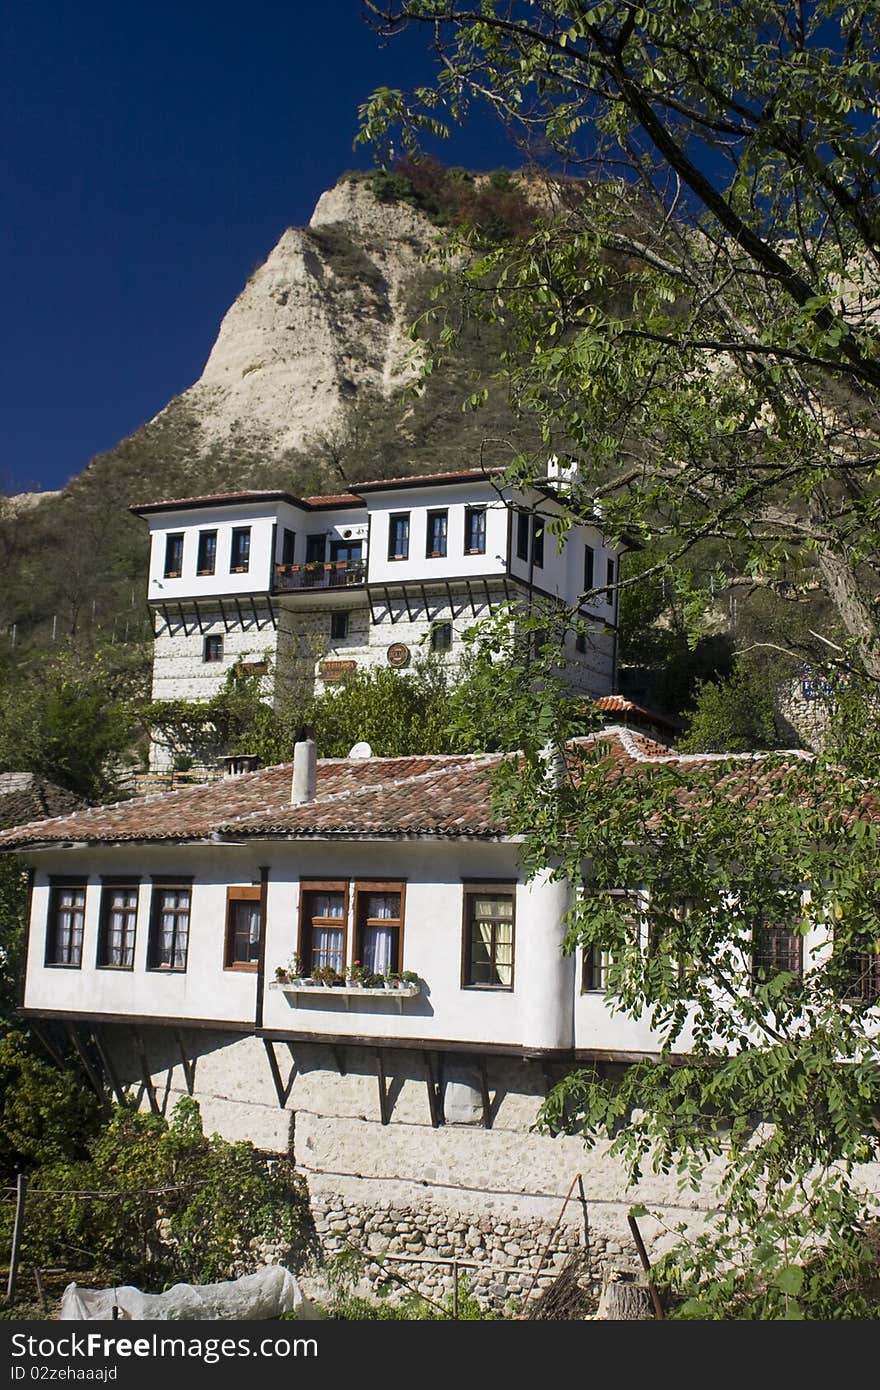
point(152, 154)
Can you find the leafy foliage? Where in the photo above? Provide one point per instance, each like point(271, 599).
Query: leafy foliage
point(157, 1202)
point(46, 1116)
point(733, 715)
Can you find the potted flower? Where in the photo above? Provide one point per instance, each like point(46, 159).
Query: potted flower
point(357, 973)
point(375, 981)
point(324, 975)
point(282, 976)
point(392, 980)
point(409, 977)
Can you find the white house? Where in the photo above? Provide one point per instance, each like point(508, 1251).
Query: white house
point(158, 925)
point(305, 590)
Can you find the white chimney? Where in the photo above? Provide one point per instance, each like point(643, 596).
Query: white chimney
point(305, 772)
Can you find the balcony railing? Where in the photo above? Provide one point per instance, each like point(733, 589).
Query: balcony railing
point(338, 574)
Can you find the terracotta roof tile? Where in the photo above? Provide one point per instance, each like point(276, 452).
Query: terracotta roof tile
point(443, 795)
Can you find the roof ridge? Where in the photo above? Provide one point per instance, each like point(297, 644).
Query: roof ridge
point(333, 797)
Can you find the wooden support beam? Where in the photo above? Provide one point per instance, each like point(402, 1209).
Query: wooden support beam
point(282, 1088)
point(167, 616)
point(107, 1064)
point(94, 1079)
point(373, 618)
point(425, 602)
point(450, 601)
point(484, 1093)
point(409, 612)
point(198, 618)
point(145, 1072)
point(470, 594)
point(435, 1100)
point(183, 620)
point(506, 590)
point(189, 1067)
point(273, 616)
point(44, 1037)
point(391, 616)
point(384, 1111)
point(258, 624)
point(239, 612)
point(223, 616)
point(339, 1058)
point(488, 595)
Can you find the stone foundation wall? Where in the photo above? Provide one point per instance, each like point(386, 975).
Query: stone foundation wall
point(498, 1260)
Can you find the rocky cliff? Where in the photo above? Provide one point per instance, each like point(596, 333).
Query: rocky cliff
point(322, 323)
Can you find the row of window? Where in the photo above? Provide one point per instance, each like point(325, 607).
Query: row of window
point(437, 533)
point(774, 949)
point(441, 637)
point(206, 559)
point(373, 937)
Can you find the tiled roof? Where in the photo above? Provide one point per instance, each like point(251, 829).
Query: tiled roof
point(26, 797)
point(619, 704)
point(338, 499)
point(443, 796)
point(421, 795)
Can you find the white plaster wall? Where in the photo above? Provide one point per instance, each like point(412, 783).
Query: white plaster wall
point(418, 503)
point(204, 990)
point(260, 516)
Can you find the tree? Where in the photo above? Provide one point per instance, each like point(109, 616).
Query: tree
point(697, 324)
point(697, 321)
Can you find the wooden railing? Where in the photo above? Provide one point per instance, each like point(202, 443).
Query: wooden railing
point(337, 574)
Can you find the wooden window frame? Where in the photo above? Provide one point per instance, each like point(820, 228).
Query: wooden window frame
point(364, 886)
point(212, 660)
point(335, 618)
point(437, 628)
point(57, 884)
point(435, 514)
point(242, 893)
point(469, 513)
point(109, 884)
point(322, 885)
point(589, 963)
point(169, 537)
point(589, 568)
point(288, 546)
point(523, 532)
point(240, 568)
point(538, 532)
point(610, 578)
point(159, 886)
point(761, 973)
point(487, 887)
point(200, 567)
point(398, 516)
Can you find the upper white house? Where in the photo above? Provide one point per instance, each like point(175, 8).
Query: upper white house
point(309, 589)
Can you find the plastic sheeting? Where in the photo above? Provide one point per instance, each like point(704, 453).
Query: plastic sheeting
point(266, 1294)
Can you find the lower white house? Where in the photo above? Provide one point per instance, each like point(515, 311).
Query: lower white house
point(158, 927)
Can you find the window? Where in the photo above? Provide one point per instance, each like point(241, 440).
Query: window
point(338, 625)
point(118, 924)
point(169, 926)
point(288, 547)
point(243, 926)
point(580, 642)
point(488, 936)
point(589, 567)
point(865, 977)
point(174, 555)
point(441, 637)
point(594, 972)
point(207, 558)
point(435, 545)
point(398, 536)
point(538, 542)
point(346, 552)
point(323, 913)
point(212, 649)
point(475, 530)
point(774, 949)
point(522, 535)
point(240, 555)
point(67, 912)
point(316, 549)
point(379, 926)
point(609, 592)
